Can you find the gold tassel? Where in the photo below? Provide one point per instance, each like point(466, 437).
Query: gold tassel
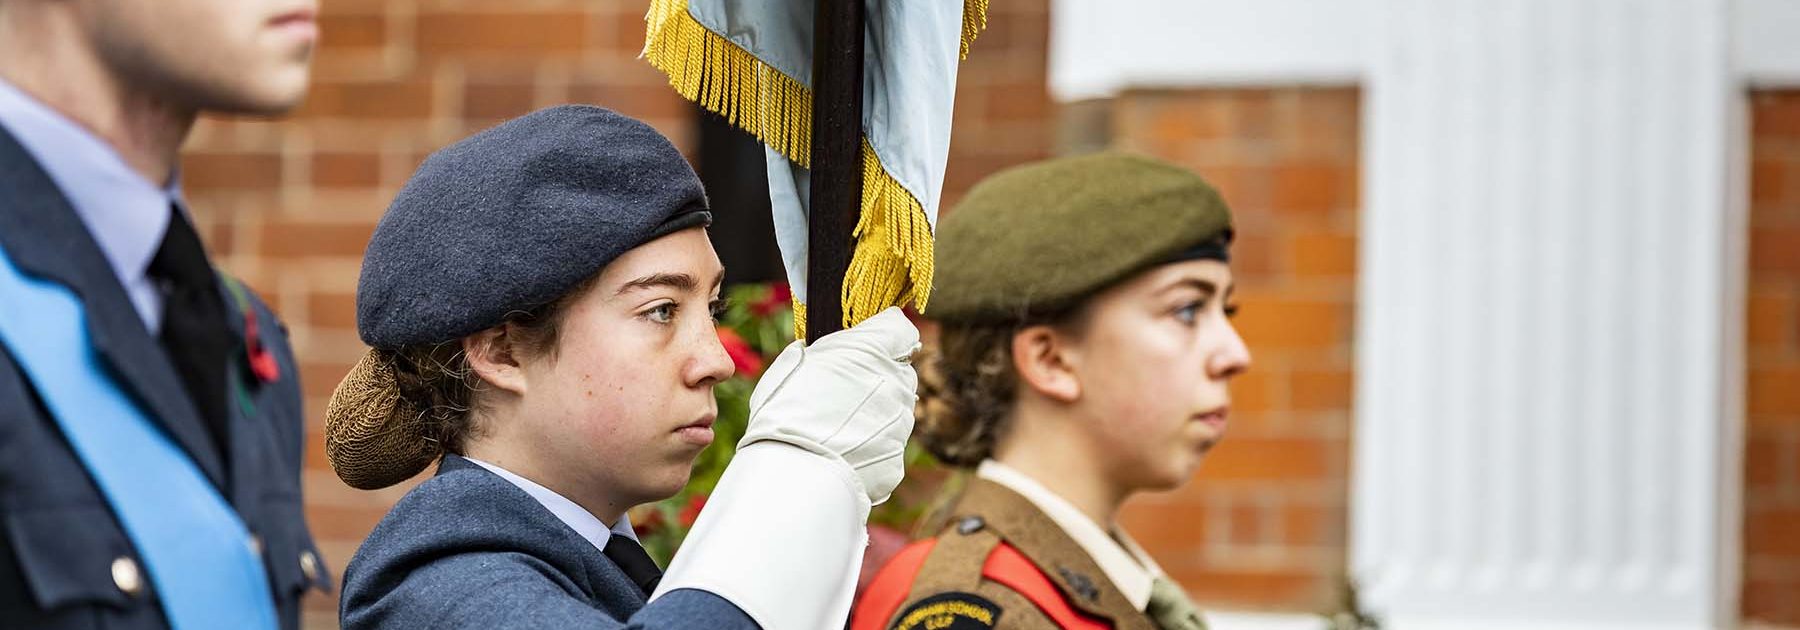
point(891, 263)
point(974, 21)
point(893, 260)
point(729, 81)
point(799, 320)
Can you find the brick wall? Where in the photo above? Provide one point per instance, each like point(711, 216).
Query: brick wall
point(289, 205)
point(1772, 447)
point(1263, 526)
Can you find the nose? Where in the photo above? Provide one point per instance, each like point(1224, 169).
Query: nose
point(1232, 357)
point(709, 363)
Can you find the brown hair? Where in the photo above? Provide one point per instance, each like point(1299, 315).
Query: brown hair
point(968, 386)
point(399, 410)
point(436, 379)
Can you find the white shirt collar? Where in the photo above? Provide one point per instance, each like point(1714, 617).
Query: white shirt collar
point(126, 214)
point(578, 519)
point(1119, 557)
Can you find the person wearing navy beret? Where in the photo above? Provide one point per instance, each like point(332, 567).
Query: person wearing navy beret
point(540, 304)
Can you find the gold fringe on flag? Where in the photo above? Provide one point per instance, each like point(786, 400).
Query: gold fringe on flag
point(891, 263)
point(799, 319)
point(974, 22)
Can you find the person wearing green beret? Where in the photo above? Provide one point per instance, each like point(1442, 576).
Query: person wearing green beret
point(1085, 345)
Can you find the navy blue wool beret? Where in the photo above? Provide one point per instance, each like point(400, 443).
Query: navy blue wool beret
point(514, 217)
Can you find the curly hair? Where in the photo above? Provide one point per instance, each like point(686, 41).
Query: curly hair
point(968, 386)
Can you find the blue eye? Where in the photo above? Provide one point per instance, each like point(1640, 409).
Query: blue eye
point(663, 313)
point(1190, 312)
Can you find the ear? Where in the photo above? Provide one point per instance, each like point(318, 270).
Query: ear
point(492, 358)
point(1042, 356)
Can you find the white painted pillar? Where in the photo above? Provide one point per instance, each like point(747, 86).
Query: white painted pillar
point(1549, 315)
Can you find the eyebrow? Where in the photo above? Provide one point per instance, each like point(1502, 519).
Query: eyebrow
point(677, 281)
point(1203, 285)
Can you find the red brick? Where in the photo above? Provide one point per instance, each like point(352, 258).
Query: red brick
point(1774, 396)
point(534, 34)
point(1765, 460)
point(628, 32)
point(1252, 393)
point(314, 458)
point(346, 170)
point(378, 101)
point(1022, 101)
point(648, 100)
point(1272, 459)
point(1772, 601)
point(1775, 116)
point(1320, 390)
point(1768, 181)
point(1247, 518)
point(1196, 117)
point(1774, 324)
point(338, 31)
point(1253, 113)
point(1242, 187)
point(1775, 249)
point(1166, 528)
point(1253, 589)
point(1254, 259)
point(218, 171)
point(314, 240)
point(1269, 323)
point(1312, 254)
point(1310, 187)
point(1772, 532)
point(331, 310)
point(330, 523)
point(1305, 524)
point(1324, 122)
point(497, 101)
point(320, 378)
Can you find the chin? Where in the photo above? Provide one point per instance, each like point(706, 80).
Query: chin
point(270, 92)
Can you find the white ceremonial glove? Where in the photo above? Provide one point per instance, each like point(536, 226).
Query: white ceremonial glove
point(848, 396)
point(782, 535)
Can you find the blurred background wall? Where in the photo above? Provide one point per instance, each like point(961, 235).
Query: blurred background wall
point(1276, 122)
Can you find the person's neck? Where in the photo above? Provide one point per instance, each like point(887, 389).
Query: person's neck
point(1063, 462)
point(604, 506)
point(44, 54)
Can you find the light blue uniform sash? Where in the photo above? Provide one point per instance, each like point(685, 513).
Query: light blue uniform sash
point(196, 550)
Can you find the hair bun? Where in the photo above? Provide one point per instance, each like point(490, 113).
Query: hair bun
point(374, 437)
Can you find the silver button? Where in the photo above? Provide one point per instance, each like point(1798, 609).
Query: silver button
point(309, 565)
point(256, 545)
point(126, 576)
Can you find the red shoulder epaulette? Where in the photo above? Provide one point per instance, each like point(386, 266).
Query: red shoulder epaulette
point(1004, 565)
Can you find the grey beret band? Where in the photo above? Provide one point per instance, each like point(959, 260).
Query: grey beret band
point(514, 217)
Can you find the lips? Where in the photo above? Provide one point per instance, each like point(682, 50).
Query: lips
point(705, 422)
point(1216, 419)
point(301, 22)
point(698, 432)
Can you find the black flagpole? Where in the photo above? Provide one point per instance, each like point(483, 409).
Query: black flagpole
point(836, 191)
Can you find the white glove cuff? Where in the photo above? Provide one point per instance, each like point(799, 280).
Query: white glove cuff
point(847, 472)
point(782, 537)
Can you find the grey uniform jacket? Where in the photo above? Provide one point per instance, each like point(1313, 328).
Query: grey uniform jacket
point(468, 549)
point(65, 561)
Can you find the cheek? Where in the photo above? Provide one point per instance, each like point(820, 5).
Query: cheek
point(607, 393)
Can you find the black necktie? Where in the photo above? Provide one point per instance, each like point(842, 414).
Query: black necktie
point(193, 323)
point(637, 565)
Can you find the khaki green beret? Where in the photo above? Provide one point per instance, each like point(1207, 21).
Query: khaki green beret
point(1041, 237)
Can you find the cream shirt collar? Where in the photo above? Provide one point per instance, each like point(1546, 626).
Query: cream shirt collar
point(1125, 564)
point(582, 521)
